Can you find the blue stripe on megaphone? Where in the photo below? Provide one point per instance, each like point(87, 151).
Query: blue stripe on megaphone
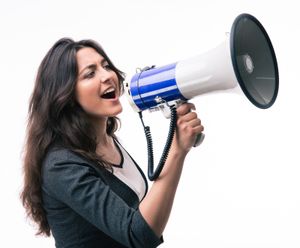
point(160, 73)
point(158, 92)
point(150, 89)
point(146, 88)
point(146, 102)
point(149, 84)
point(167, 96)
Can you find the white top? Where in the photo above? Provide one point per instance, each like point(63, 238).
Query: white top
point(128, 173)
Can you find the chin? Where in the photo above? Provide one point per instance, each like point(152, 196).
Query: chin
point(118, 110)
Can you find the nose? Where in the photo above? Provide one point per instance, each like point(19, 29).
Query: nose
point(105, 75)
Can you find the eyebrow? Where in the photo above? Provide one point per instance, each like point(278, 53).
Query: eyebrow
point(92, 66)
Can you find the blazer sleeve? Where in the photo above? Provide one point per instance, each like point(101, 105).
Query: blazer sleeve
point(79, 186)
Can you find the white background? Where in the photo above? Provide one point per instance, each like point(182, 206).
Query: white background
point(241, 187)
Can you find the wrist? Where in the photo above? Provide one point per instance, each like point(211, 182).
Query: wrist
point(178, 153)
point(175, 161)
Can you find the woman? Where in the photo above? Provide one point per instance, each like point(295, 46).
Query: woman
point(80, 184)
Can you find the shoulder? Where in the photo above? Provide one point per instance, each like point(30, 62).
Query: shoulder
point(63, 171)
point(63, 160)
point(60, 155)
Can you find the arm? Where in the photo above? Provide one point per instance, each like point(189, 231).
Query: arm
point(77, 185)
point(156, 206)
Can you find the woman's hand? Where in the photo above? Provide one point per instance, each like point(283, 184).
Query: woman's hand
point(188, 127)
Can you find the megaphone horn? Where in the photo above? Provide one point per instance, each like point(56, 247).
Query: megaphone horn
point(246, 58)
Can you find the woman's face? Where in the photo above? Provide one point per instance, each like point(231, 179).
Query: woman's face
point(97, 87)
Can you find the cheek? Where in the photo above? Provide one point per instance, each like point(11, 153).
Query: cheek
point(118, 84)
point(86, 94)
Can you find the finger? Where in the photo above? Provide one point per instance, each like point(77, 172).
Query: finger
point(198, 129)
point(188, 124)
point(195, 123)
point(188, 116)
point(185, 108)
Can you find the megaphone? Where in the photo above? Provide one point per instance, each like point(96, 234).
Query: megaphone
point(246, 58)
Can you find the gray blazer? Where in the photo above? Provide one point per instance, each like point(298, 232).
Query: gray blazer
point(87, 206)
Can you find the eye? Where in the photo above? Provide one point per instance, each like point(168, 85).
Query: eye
point(106, 66)
point(89, 74)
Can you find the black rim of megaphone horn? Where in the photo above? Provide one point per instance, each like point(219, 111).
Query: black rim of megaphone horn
point(235, 65)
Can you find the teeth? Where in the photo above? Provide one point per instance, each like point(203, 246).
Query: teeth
point(109, 93)
point(109, 90)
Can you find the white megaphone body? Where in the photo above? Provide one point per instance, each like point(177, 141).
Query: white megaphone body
point(246, 58)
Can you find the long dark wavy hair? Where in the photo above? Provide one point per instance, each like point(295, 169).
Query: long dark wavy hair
point(54, 117)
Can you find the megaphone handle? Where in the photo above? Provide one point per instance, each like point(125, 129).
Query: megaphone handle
point(199, 139)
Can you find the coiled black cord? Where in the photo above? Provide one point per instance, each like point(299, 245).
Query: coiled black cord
point(154, 175)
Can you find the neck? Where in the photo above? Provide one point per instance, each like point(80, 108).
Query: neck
point(100, 128)
point(105, 143)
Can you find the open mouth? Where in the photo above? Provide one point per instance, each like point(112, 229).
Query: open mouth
point(109, 94)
